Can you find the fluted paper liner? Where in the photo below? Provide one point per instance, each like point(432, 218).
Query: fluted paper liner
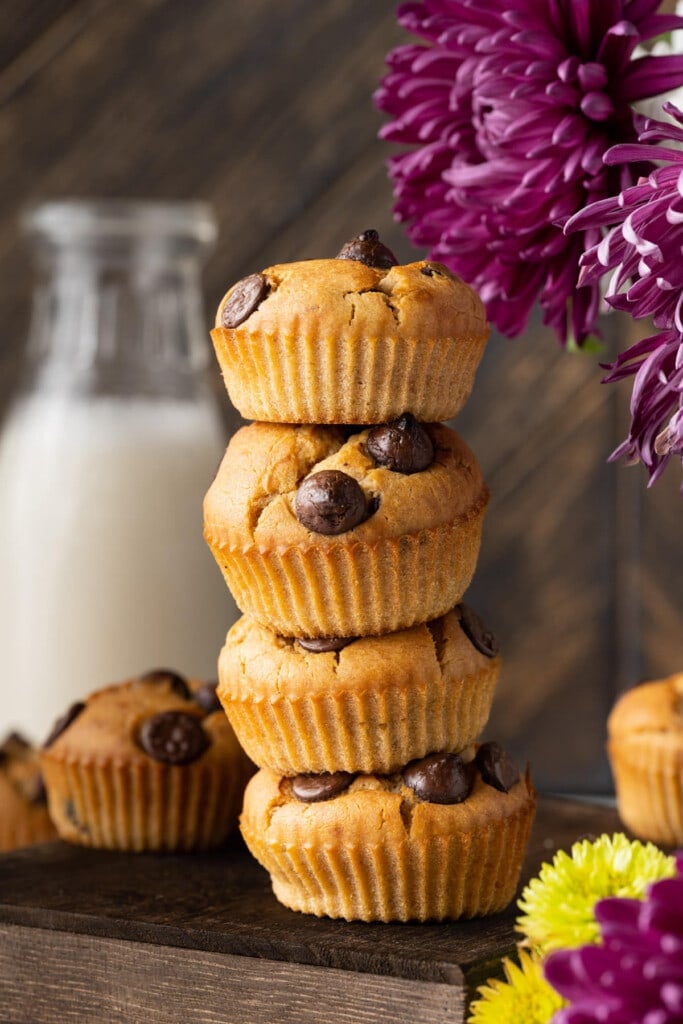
point(398, 872)
point(370, 731)
point(142, 806)
point(354, 589)
point(305, 378)
point(648, 776)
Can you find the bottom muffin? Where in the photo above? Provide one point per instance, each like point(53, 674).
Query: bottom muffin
point(148, 764)
point(396, 847)
point(24, 818)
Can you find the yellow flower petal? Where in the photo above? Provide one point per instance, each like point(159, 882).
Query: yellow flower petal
point(558, 905)
point(525, 997)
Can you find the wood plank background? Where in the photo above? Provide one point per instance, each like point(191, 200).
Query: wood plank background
point(264, 109)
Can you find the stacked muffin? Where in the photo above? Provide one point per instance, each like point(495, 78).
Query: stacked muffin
point(346, 521)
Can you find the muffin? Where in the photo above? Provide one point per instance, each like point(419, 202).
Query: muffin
point(368, 704)
point(321, 532)
point(444, 838)
point(148, 764)
point(350, 340)
point(24, 818)
point(645, 748)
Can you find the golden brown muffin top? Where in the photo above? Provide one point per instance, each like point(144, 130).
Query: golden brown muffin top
point(111, 723)
point(257, 664)
point(421, 300)
point(376, 809)
point(654, 707)
point(252, 498)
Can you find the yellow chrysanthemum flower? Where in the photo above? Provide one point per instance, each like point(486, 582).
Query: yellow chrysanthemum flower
point(558, 905)
point(525, 997)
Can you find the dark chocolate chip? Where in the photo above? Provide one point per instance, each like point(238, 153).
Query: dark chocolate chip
point(367, 248)
point(167, 675)
point(207, 697)
point(245, 297)
point(322, 644)
point(330, 502)
point(64, 722)
point(439, 778)
point(496, 766)
point(402, 445)
point(312, 788)
point(476, 631)
point(173, 737)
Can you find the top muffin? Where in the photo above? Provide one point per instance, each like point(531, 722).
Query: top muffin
point(353, 339)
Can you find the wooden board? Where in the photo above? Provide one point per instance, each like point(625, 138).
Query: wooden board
point(176, 938)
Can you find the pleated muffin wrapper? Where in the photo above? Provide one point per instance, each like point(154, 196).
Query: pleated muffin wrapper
point(648, 776)
point(373, 706)
point(354, 588)
point(142, 806)
point(373, 855)
point(336, 341)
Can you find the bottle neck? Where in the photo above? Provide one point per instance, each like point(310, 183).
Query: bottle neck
point(117, 306)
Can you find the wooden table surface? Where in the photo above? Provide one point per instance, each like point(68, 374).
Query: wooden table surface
point(99, 936)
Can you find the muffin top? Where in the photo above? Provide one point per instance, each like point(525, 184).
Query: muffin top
point(653, 707)
point(347, 297)
point(261, 495)
point(257, 664)
point(378, 807)
point(159, 715)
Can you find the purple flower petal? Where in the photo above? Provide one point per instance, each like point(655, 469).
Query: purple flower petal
point(516, 104)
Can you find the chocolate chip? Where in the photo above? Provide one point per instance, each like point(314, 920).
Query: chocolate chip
point(366, 248)
point(496, 766)
point(245, 297)
point(402, 445)
point(207, 697)
point(475, 631)
point(166, 675)
point(312, 788)
point(173, 737)
point(330, 502)
point(63, 723)
point(322, 644)
point(439, 778)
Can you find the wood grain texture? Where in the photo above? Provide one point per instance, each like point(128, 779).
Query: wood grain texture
point(264, 109)
point(69, 979)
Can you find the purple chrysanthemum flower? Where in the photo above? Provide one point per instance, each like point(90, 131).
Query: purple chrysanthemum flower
point(643, 249)
point(635, 976)
point(511, 108)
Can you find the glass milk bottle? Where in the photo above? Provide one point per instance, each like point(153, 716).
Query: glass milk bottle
point(105, 455)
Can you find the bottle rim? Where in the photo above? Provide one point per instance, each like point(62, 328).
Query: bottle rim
point(70, 220)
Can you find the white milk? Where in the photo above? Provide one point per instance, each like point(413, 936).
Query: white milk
point(104, 572)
